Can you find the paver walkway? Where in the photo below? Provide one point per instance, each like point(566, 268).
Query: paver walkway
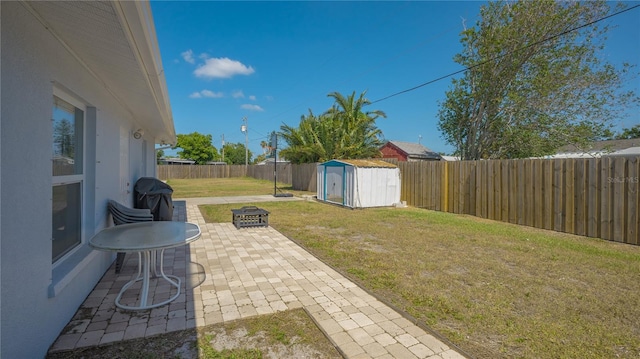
point(232, 274)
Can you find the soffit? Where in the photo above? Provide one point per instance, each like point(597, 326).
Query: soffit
point(94, 33)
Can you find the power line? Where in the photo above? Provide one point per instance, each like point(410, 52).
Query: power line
point(503, 55)
point(369, 69)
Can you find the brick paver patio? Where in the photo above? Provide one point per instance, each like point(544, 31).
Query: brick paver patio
point(231, 274)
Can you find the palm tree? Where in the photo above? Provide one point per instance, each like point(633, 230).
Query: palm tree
point(359, 135)
point(344, 131)
point(304, 144)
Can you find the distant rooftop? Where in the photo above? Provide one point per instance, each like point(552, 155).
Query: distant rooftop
point(415, 150)
point(602, 146)
point(176, 161)
point(630, 147)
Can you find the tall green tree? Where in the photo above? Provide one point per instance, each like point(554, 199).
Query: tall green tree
point(533, 84)
point(306, 143)
point(345, 131)
point(63, 136)
point(234, 153)
point(197, 147)
point(159, 155)
point(629, 133)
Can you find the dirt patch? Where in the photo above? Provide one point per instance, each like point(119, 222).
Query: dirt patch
point(289, 334)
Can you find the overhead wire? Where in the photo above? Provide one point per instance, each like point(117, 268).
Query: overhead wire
point(503, 55)
point(371, 68)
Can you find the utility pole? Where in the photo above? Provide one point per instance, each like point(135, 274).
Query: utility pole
point(245, 129)
point(223, 147)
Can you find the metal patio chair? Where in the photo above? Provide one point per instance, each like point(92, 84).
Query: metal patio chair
point(122, 214)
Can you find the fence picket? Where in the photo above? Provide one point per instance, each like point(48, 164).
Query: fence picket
point(633, 215)
point(580, 196)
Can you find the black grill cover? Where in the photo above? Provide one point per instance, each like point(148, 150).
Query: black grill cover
point(155, 195)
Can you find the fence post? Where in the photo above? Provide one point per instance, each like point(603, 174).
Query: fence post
point(445, 173)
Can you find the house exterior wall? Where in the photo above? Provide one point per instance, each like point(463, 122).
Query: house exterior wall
point(38, 298)
point(389, 151)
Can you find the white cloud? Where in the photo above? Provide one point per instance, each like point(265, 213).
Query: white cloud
point(222, 67)
point(207, 93)
point(237, 94)
point(252, 98)
point(188, 56)
point(250, 107)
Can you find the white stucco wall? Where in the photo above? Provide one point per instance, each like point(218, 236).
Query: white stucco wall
point(33, 63)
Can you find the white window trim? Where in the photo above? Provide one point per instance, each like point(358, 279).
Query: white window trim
point(69, 179)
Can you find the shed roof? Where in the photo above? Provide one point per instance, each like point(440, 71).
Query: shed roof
point(415, 150)
point(365, 163)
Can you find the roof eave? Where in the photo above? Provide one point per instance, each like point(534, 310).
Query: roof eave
point(137, 23)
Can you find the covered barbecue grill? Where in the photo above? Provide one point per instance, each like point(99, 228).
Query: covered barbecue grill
point(155, 195)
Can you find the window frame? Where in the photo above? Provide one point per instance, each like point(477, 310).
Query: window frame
point(72, 178)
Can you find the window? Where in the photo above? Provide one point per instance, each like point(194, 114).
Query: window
point(67, 169)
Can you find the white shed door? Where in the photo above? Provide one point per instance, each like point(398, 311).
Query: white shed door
point(335, 184)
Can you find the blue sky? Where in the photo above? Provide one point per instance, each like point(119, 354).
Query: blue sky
point(272, 61)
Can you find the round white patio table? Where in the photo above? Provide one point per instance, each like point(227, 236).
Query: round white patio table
point(145, 238)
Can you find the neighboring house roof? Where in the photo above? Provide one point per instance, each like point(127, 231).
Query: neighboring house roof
point(270, 161)
point(180, 161)
point(364, 163)
point(630, 147)
point(415, 150)
point(451, 158)
point(115, 41)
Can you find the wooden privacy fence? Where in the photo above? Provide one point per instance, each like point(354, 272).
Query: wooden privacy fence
point(225, 171)
point(304, 177)
point(265, 172)
point(201, 171)
point(301, 177)
point(596, 197)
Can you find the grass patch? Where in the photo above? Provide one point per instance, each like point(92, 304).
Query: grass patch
point(496, 290)
point(289, 334)
point(225, 187)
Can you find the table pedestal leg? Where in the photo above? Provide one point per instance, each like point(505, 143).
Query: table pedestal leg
point(145, 266)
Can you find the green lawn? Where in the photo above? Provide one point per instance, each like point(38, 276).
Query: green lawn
point(494, 289)
point(224, 187)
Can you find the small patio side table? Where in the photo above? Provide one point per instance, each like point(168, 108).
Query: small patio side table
point(145, 238)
